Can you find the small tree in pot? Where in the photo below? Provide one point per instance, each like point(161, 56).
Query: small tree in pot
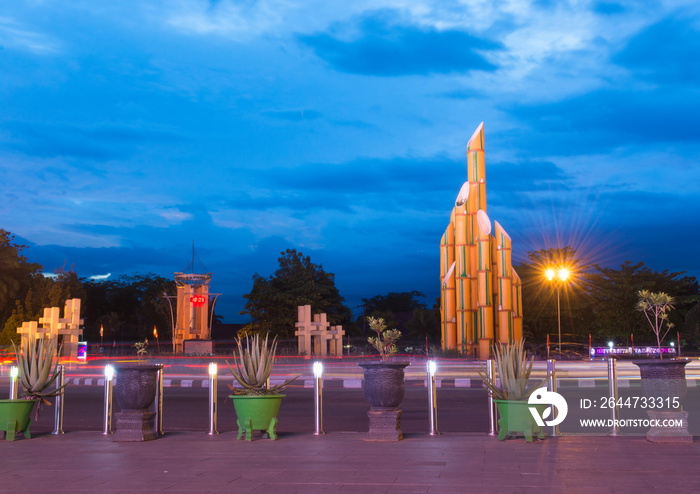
point(656, 306)
point(385, 341)
point(663, 381)
point(383, 384)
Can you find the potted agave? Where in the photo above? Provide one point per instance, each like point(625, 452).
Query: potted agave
point(663, 380)
point(511, 391)
point(383, 384)
point(38, 370)
point(256, 403)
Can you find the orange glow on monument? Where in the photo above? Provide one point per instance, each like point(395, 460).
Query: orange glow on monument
point(193, 319)
point(481, 300)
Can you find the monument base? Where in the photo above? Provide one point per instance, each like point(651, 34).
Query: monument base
point(135, 426)
point(198, 347)
point(675, 434)
point(384, 425)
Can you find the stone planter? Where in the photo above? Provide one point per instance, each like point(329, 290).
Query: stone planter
point(256, 413)
point(663, 380)
point(15, 416)
point(135, 391)
point(384, 388)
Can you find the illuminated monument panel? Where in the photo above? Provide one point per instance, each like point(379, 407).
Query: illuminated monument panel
point(481, 292)
point(195, 309)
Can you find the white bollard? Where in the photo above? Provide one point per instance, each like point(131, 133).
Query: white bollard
point(318, 398)
point(432, 398)
point(109, 386)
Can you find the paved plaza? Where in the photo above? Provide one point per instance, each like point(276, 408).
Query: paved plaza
point(194, 462)
point(187, 459)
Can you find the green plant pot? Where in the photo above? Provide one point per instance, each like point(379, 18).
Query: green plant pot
point(514, 417)
point(15, 417)
point(256, 413)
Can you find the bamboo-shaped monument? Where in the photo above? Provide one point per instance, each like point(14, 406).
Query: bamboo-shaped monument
point(481, 292)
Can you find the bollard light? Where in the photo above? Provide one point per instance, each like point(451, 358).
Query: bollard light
point(14, 374)
point(318, 398)
point(159, 402)
point(432, 398)
point(213, 369)
point(58, 407)
point(107, 419)
point(432, 367)
point(490, 372)
point(552, 384)
point(612, 392)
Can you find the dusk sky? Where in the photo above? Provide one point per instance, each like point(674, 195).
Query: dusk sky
point(130, 129)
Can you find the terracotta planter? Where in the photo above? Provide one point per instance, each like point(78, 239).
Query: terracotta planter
point(384, 384)
point(257, 413)
point(15, 416)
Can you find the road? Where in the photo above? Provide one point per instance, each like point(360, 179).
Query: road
point(186, 408)
point(461, 408)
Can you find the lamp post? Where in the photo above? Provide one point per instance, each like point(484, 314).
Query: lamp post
point(558, 276)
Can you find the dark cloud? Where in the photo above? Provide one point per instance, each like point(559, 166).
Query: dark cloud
point(99, 142)
point(367, 175)
point(608, 8)
point(292, 115)
point(461, 94)
point(381, 44)
point(631, 112)
point(667, 52)
point(526, 176)
point(611, 118)
point(293, 200)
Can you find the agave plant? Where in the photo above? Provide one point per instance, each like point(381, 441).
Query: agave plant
point(513, 369)
point(254, 366)
point(37, 369)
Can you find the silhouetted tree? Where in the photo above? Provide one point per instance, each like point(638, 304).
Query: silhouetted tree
point(15, 274)
point(272, 303)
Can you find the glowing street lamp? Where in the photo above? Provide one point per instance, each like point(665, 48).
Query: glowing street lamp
point(559, 276)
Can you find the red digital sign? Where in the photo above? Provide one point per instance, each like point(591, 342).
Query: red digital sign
point(198, 300)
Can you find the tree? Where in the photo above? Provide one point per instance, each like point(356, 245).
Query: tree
point(656, 306)
point(425, 326)
point(44, 291)
point(272, 303)
point(614, 294)
point(393, 302)
point(128, 307)
point(691, 325)
point(396, 308)
point(15, 274)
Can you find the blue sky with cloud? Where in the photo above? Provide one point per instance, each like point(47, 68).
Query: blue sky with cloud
point(130, 129)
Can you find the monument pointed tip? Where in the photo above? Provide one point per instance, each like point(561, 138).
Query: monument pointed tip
point(479, 130)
